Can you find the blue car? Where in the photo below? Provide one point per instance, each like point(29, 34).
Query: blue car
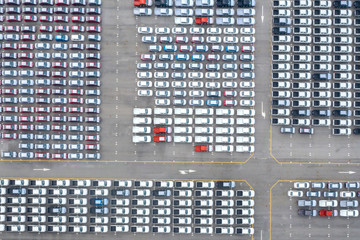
point(213, 94)
point(213, 103)
point(61, 38)
point(182, 57)
point(232, 49)
point(201, 48)
point(99, 201)
point(170, 48)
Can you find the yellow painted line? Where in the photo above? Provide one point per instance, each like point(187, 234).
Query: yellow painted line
point(271, 188)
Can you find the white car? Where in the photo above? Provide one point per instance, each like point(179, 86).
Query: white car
point(295, 193)
point(141, 139)
point(162, 30)
point(162, 121)
point(203, 139)
point(142, 120)
point(183, 139)
point(243, 148)
point(184, 20)
point(349, 213)
point(145, 30)
point(142, 111)
point(301, 185)
point(224, 148)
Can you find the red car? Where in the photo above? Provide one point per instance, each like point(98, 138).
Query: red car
point(77, 28)
point(76, 109)
point(59, 64)
point(204, 20)
point(93, 65)
point(46, 19)
point(42, 91)
point(162, 130)
point(10, 127)
point(63, 19)
point(61, 28)
point(328, 213)
point(42, 155)
point(76, 91)
point(9, 135)
point(142, 3)
point(48, 29)
point(31, 18)
point(213, 57)
point(26, 64)
point(13, 18)
point(201, 148)
point(247, 49)
point(26, 46)
point(306, 130)
point(92, 146)
point(78, 19)
point(26, 119)
point(162, 139)
point(76, 100)
point(62, 2)
point(26, 109)
point(9, 91)
point(26, 127)
point(92, 138)
point(95, 29)
point(12, 29)
point(93, 19)
point(59, 109)
point(25, 55)
point(41, 118)
point(58, 127)
point(229, 93)
point(42, 109)
point(28, 37)
point(58, 155)
point(230, 102)
point(59, 74)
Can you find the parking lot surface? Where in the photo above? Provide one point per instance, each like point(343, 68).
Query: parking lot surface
point(126, 206)
point(50, 79)
point(314, 82)
point(286, 222)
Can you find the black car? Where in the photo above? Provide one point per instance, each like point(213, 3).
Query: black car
point(300, 112)
point(163, 3)
point(225, 3)
point(356, 131)
point(225, 184)
point(356, 4)
point(306, 212)
point(17, 191)
point(342, 4)
point(321, 76)
point(281, 30)
point(246, 3)
point(323, 113)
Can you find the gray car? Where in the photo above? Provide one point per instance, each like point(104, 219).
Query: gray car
point(349, 203)
point(305, 203)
